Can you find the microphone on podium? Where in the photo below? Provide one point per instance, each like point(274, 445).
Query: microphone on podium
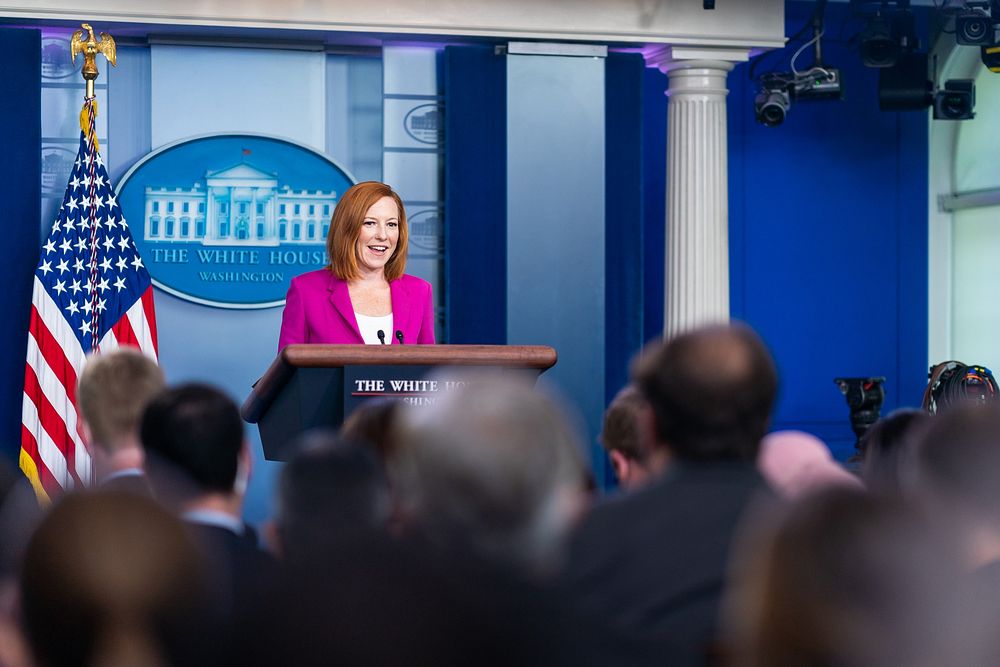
point(381, 336)
point(399, 336)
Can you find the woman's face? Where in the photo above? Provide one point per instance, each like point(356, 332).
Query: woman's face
point(378, 236)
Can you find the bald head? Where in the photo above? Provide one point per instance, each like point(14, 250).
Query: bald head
point(711, 391)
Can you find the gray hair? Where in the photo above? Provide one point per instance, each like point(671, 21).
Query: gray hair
point(494, 466)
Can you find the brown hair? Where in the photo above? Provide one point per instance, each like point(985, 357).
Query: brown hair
point(621, 428)
point(113, 579)
point(345, 227)
point(113, 391)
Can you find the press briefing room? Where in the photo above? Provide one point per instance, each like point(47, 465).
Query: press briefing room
point(503, 331)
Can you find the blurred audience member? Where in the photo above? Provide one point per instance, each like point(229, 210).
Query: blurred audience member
point(332, 497)
point(111, 579)
point(493, 468)
point(19, 516)
point(958, 471)
point(113, 391)
point(846, 579)
point(199, 466)
point(887, 449)
point(796, 463)
point(372, 423)
point(635, 462)
point(654, 560)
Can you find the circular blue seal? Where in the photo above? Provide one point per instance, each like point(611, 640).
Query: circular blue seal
point(228, 220)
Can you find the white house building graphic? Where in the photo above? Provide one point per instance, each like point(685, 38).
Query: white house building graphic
point(239, 205)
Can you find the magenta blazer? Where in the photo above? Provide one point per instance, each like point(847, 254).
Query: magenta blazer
point(318, 309)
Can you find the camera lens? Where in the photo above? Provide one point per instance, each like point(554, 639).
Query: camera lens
point(954, 105)
point(771, 115)
point(973, 30)
point(879, 52)
point(771, 107)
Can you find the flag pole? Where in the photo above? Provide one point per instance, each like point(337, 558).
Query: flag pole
point(90, 47)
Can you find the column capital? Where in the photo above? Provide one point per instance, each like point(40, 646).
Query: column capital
point(668, 57)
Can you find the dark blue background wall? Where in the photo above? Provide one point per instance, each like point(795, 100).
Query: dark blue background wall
point(828, 237)
point(20, 192)
point(828, 224)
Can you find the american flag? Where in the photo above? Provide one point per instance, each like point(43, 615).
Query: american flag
point(91, 293)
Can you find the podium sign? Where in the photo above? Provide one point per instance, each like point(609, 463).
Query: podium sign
point(315, 386)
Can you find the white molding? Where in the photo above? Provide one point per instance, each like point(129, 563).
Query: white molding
point(746, 23)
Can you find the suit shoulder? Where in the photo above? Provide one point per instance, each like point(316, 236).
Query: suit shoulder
point(313, 279)
point(412, 282)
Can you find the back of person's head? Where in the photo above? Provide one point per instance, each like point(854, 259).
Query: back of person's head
point(796, 463)
point(711, 392)
point(113, 391)
point(111, 579)
point(493, 466)
point(635, 463)
point(193, 436)
point(621, 428)
point(887, 449)
point(331, 495)
point(958, 462)
point(845, 578)
point(371, 424)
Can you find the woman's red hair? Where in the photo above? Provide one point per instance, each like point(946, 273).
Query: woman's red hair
point(345, 228)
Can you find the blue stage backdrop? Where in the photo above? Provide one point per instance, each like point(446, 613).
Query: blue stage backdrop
point(20, 192)
point(828, 237)
point(624, 238)
point(475, 267)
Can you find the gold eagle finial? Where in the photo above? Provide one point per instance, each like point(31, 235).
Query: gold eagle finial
point(90, 47)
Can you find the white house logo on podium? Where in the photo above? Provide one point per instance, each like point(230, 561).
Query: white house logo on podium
point(229, 220)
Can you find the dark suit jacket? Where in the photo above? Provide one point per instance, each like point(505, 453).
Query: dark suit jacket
point(136, 484)
point(236, 567)
point(654, 561)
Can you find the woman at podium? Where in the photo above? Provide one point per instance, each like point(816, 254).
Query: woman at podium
point(363, 296)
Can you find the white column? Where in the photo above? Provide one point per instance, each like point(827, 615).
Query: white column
point(696, 278)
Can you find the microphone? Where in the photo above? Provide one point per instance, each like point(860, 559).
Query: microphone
point(381, 336)
point(399, 336)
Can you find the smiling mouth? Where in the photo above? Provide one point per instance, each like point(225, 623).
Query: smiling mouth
point(378, 249)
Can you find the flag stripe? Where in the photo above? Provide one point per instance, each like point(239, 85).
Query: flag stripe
point(149, 317)
point(47, 401)
point(40, 477)
point(48, 452)
point(58, 387)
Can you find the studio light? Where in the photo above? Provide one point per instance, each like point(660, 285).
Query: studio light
point(974, 26)
point(878, 47)
point(778, 89)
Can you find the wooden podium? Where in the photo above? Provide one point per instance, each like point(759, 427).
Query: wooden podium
point(309, 386)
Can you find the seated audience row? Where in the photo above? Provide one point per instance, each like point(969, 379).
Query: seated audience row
point(464, 531)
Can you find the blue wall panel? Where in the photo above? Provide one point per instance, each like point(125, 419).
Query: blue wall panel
point(20, 192)
point(828, 229)
point(654, 175)
point(623, 215)
point(555, 221)
point(475, 195)
point(623, 221)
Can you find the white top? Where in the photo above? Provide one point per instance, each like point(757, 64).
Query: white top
point(370, 326)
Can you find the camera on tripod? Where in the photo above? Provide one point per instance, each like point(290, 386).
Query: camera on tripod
point(865, 396)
